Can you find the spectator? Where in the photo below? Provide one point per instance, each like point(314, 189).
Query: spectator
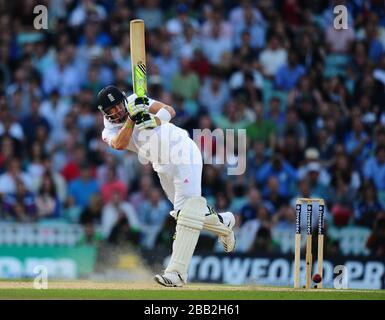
point(83, 10)
point(90, 217)
point(238, 194)
point(10, 127)
point(185, 83)
point(304, 190)
point(36, 166)
point(338, 40)
point(153, 213)
point(47, 201)
point(93, 83)
point(281, 169)
point(263, 241)
point(341, 201)
point(247, 82)
point(308, 116)
point(236, 115)
point(121, 55)
point(72, 168)
point(119, 221)
point(303, 90)
point(288, 75)
point(20, 205)
point(187, 43)
point(295, 125)
point(13, 175)
point(359, 58)
point(309, 55)
point(249, 210)
point(291, 149)
point(113, 185)
point(216, 46)
point(376, 48)
point(91, 42)
point(167, 64)
point(257, 158)
point(85, 116)
point(19, 92)
point(62, 77)
point(109, 162)
point(238, 13)
point(367, 111)
point(273, 57)
point(262, 129)
point(357, 142)
point(317, 186)
point(33, 121)
point(342, 169)
point(374, 170)
point(284, 218)
point(211, 182)
point(380, 136)
point(222, 202)
point(199, 64)
point(144, 191)
point(244, 51)
point(376, 240)
point(252, 25)
point(175, 25)
point(7, 151)
point(275, 113)
point(368, 207)
point(214, 94)
point(292, 13)
point(81, 189)
point(327, 145)
point(54, 111)
point(312, 155)
point(151, 13)
point(165, 236)
point(58, 180)
point(273, 194)
point(216, 18)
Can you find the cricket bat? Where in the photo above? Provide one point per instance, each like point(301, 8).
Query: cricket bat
point(138, 57)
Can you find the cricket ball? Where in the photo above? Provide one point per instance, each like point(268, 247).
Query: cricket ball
point(317, 278)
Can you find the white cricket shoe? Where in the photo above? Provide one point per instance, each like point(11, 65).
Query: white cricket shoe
point(171, 279)
point(228, 242)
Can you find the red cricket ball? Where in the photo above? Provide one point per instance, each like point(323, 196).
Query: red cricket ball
point(317, 278)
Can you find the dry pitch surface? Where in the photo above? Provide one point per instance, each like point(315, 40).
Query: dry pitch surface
point(152, 291)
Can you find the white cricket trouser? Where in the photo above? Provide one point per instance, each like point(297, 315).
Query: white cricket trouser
point(183, 181)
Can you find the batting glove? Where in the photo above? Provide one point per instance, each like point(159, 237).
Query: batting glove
point(146, 121)
point(136, 107)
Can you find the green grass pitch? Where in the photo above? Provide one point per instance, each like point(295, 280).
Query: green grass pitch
point(184, 295)
point(150, 291)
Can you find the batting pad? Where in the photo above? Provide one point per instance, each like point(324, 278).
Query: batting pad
point(213, 224)
point(188, 226)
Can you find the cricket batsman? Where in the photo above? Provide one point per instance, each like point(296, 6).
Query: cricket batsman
point(127, 119)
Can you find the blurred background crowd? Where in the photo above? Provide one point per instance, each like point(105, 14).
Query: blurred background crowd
point(311, 98)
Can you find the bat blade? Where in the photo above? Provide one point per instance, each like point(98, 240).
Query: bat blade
point(138, 57)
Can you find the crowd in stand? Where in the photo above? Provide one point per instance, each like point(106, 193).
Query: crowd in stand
point(311, 97)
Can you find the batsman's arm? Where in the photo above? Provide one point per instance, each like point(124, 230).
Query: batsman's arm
point(122, 139)
point(162, 111)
